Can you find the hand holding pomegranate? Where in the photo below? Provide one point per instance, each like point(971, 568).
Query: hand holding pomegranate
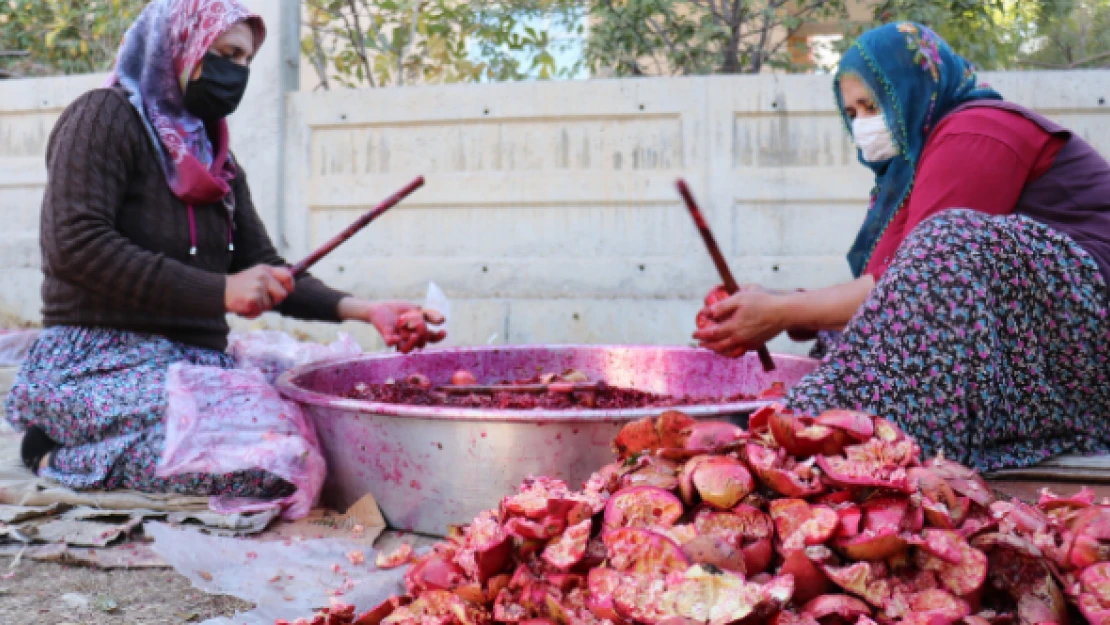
point(401, 324)
point(733, 325)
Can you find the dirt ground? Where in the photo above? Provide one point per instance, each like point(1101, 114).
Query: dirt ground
point(43, 593)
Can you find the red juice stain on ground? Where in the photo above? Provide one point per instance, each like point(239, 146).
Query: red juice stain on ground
point(416, 485)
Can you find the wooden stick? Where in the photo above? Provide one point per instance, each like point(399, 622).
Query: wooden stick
point(359, 224)
point(539, 389)
point(719, 260)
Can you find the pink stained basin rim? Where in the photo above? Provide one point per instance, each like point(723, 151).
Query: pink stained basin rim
point(663, 370)
point(430, 467)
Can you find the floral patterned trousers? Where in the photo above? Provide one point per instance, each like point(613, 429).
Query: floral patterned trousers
point(100, 394)
point(987, 340)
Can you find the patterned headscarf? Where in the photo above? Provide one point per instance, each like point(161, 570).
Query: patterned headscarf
point(916, 79)
point(156, 59)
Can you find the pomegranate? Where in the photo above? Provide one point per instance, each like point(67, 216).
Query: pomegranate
point(636, 437)
point(745, 527)
point(636, 550)
point(437, 606)
point(673, 429)
point(864, 579)
point(718, 294)
point(701, 596)
point(568, 549)
point(642, 506)
point(602, 583)
point(1094, 598)
point(781, 473)
point(722, 481)
point(651, 474)
point(1085, 498)
point(399, 557)
point(901, 542)
point(871, 464)
point(376, 615)
point(798, 524)
point(961, 578)
point(941, 603)
point(544, 529)
point(787, 617)
point(535, 497)
point(715, 550)
point(881, 531)
point(714, 437)
point(463, 377)
point(433, 572)
point(847, 609)
point(809, 580)
point(777, 390)
point(801, 437)
point(962, 480)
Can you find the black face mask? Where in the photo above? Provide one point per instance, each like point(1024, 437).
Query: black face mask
point(218, 90)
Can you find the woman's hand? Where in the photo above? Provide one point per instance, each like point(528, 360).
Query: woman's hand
point(744, 321)
point(402, 325)
point(755, 315)
point(257, 290)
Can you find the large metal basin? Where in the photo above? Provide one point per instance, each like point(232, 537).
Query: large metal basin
point(432, 467)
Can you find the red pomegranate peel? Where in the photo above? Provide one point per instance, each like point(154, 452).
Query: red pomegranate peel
point(359, 224)
point(719, 260)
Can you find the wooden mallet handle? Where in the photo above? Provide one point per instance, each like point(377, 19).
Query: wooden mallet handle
point(359, 224)
point(719, 260)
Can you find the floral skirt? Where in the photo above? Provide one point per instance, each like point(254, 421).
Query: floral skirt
point(100, 394)
point(988, 340)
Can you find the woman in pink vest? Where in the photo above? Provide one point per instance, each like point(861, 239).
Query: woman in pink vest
point(977, 319)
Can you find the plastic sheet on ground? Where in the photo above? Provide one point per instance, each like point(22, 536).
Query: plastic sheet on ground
point(285, 580)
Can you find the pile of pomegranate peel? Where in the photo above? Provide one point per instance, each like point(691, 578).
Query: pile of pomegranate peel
point(798, 521)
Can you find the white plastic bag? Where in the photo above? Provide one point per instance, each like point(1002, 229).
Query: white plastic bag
point(225, 420)
point(437, 300)
point(273, 352)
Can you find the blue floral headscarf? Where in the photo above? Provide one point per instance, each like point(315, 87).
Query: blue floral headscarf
point(916, 79)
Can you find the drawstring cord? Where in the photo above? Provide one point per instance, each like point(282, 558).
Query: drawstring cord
point(193, 232)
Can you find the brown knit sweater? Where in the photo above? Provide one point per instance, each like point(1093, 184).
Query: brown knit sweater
point(115, 240)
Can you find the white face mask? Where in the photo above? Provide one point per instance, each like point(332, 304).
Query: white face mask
point(874, 138)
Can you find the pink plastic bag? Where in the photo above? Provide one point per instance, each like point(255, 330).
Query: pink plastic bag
point(225, 420)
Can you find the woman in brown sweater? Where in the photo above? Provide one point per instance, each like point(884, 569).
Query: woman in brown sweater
point(149, 237)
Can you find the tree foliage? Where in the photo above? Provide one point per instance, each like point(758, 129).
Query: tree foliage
point(989, 33)
point(44, 37)
point(393, 42)
point(638, 37)
point(1070, 34)
point(396, 42)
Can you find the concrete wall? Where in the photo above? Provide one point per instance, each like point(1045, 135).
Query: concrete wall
point(550, 213)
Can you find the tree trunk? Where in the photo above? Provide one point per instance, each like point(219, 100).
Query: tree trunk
point(731, 61)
